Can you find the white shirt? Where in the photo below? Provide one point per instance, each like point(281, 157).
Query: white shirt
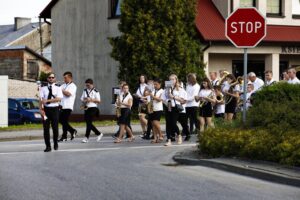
point(225, 86)
point(270, 82)
point(67, 102)
point(56, 92)
point(140, 91)
point(214, 82)
point(192, 91)
point(206, 93)
point(125, 99)
point(258, 83)
point(294, 81)
point(183, 95)
point(93, 94)
point(177, 93)
point(157, 105)
point(220, 108)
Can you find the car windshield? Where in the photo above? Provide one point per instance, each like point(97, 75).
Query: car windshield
point(30, 104)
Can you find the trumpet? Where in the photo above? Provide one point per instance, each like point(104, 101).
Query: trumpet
point(221, 81)
point(239, 81)
point(220, 97)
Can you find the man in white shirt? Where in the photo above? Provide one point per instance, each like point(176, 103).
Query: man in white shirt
point(50, 96)
point(67, 105)
point(192, 90)
point(293, 78)
point(257, 82)
point(91, 98)
point(269, 78)
point(213, 78)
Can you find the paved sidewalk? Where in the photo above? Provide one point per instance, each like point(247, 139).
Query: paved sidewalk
point(258, 169)
point(38, 134)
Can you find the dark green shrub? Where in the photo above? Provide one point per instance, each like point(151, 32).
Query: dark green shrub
point(276, 107)
point(257, 144)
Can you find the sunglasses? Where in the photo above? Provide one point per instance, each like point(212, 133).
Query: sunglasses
point(51, 77)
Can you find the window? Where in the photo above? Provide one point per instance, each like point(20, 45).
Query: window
point(247, 3)
point(296, 9)
point(12, 105)
point(274, 8)
point(115, 7)
point(32, 69)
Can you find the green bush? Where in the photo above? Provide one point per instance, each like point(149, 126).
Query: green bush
point(258, 144)
point(276, 107)
point(271, 132)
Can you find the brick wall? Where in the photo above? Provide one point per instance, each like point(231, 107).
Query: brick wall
point(19, 89)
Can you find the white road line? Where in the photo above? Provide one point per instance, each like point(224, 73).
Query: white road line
point(99, 149)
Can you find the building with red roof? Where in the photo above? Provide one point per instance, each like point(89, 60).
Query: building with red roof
point(278, 51)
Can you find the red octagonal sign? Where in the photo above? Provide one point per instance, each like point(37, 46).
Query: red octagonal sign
point(245, 27)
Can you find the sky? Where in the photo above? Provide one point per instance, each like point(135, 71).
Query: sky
point(32, 8)
point(20, 8)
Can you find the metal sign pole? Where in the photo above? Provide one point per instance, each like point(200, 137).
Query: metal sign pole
point(245, 84)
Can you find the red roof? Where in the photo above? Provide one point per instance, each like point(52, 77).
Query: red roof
point(211, 26)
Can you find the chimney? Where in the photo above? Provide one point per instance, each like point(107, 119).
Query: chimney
point(21, 22)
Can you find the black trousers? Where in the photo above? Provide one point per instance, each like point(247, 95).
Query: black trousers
point(64, 120)
point(52, 114)
point(183, 120)
point(171, 123)
point(89, 115)
point(191, 113)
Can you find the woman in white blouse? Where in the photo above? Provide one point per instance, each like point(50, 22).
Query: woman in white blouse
point(155, 116)
point(172, 100)
point(125, 103)
point(231, 93)
point(207, 98)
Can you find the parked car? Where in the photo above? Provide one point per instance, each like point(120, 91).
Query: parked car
point(23, 110)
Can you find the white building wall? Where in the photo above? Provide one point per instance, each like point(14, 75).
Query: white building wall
point(4, 101)
point(80, 31)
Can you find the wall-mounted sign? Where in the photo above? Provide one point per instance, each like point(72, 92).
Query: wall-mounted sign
point(290, 49)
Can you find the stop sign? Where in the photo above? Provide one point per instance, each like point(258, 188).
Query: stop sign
point(245, 27)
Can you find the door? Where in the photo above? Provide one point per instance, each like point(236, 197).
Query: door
point(256, 66)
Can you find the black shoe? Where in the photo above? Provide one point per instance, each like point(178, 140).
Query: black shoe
point(48, 149)
point(56, 147)
point(73, 135)
point(146, 137)
point(187, 138)
point(173, 139)
point(62, 140)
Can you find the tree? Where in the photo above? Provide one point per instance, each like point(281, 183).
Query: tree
point(158, 37)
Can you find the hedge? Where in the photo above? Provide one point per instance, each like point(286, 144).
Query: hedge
point(271, 133)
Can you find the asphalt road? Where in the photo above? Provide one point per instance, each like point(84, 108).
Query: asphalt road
point(127, 171)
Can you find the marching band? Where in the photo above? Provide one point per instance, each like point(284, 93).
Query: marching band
point(194, 105)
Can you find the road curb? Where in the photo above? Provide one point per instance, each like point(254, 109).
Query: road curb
point(242, 170)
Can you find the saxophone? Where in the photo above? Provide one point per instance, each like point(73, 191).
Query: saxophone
point(203, 103)
point(150, 106)
point(118, 107)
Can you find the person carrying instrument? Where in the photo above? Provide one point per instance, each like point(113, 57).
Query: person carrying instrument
point(142, 108)
point(172, 101)
point(157, 111)
point(219, 107)
point(125, 102)
point(67, 104)
point(207, 98)
point(231, 96)
point(91, 98)
point(50, 96)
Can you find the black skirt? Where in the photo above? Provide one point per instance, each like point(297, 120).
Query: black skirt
point(125, 116)
point(206, 110)
point(156, 115)
point(231, 106)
